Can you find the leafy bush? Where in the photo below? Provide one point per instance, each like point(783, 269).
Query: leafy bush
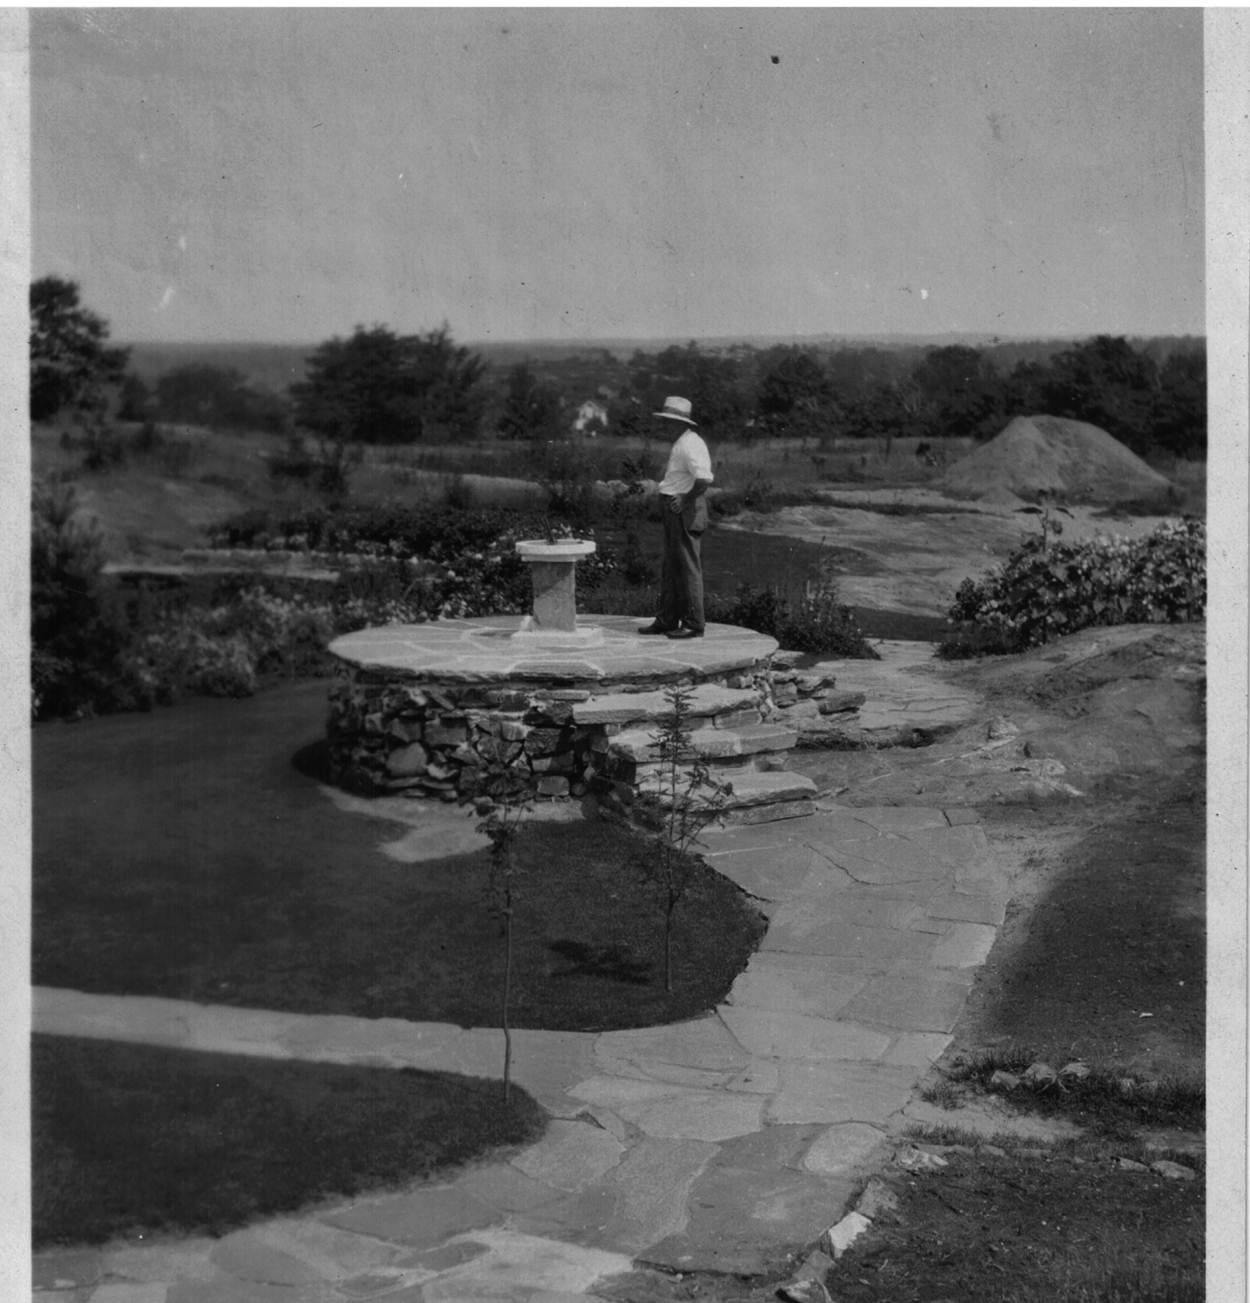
point(1047, 591)
point(812, 620)
point(77, 632)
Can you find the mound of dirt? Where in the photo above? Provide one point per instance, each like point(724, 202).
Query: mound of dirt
point(1071, 460)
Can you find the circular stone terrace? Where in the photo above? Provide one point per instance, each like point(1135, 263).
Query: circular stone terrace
point(422, 709)
point(485, 651)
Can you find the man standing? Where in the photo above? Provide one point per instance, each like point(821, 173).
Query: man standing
point(684, 506)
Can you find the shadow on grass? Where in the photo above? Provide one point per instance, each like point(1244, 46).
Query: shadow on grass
point(131, 1139)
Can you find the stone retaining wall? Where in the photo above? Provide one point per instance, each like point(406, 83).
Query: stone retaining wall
point(387, 735)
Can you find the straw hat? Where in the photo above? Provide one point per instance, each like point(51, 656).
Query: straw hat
point(676, 409)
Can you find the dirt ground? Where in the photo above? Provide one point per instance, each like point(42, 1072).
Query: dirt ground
point(914, 563)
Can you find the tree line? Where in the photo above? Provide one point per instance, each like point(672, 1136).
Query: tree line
point(377, 386)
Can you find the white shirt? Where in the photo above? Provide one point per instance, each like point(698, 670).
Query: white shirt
point(688, 461)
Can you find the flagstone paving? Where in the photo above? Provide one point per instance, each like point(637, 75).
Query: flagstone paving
point(727, 1143)
point(730, 1142)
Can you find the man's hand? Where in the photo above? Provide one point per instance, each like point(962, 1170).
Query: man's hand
point(677, 504)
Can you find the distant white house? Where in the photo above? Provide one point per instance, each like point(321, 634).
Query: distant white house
point(592, 416)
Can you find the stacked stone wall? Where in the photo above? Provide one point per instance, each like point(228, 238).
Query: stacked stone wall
point(388, 735)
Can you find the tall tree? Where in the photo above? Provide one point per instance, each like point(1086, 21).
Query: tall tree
point(1179, 417)
point(1107, 382)
point(713, 382)
point(70, 361)
point(218, 397)
point(532, 407)
point(794, 393)
point(962, 389)
point(379, 387)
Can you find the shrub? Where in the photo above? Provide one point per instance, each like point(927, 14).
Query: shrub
point(76, 632)
point(1046, 591)
point(810, 621)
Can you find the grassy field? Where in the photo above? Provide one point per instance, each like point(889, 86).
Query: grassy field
point(134, 1139)
point(183, 854)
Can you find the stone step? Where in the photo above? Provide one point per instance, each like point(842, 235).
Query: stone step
point(753, 797)
point(638, 744)
point(707, 699)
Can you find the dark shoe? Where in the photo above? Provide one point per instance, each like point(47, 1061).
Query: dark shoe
point(656, 627)
point(686, 633)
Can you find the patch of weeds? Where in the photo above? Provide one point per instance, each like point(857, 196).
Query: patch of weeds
point(1100, 1099)
point(944, 1133)
point(943, 1093)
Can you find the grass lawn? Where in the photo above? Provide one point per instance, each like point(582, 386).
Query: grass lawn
point(183, 854)
point(130, 1139)
point(1024, 1226)
point(1112, 968)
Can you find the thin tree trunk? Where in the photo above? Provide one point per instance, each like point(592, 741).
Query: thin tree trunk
point(507, 993)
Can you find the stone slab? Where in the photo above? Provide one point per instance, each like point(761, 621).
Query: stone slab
point(746, 1222)
point(816, 928)
point(917, 1004)
point(147, 1261)
point(841, 1092)
point(708, 1116)
point(570, 1155)
point(640, 1201)
point(766, 812)
point(818, 985)
point(867, 907)
point(419, 1218)
point(919, 1050)
point(845, 1149)
point(796, 1036)
point(501, 1186)
point(613, 1092)
point(224, 1290)
point(773, 873)
point(966, 945)
point(890, 859)
point(628, 707)
point(479, 651)
point(246, 1256)
point(67, 1268)
point(964, 907)
point(901, 818)
point(640, 744)
point(703, 1044)
point(509, 1265)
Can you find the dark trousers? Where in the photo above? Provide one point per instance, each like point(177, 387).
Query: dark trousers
point(681, 571)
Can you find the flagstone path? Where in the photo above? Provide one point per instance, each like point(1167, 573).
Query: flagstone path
point(728, 1143)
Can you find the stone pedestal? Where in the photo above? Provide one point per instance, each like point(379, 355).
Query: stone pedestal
point(552, 570)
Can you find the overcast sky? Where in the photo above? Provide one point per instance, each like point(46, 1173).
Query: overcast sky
point(595, 173)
